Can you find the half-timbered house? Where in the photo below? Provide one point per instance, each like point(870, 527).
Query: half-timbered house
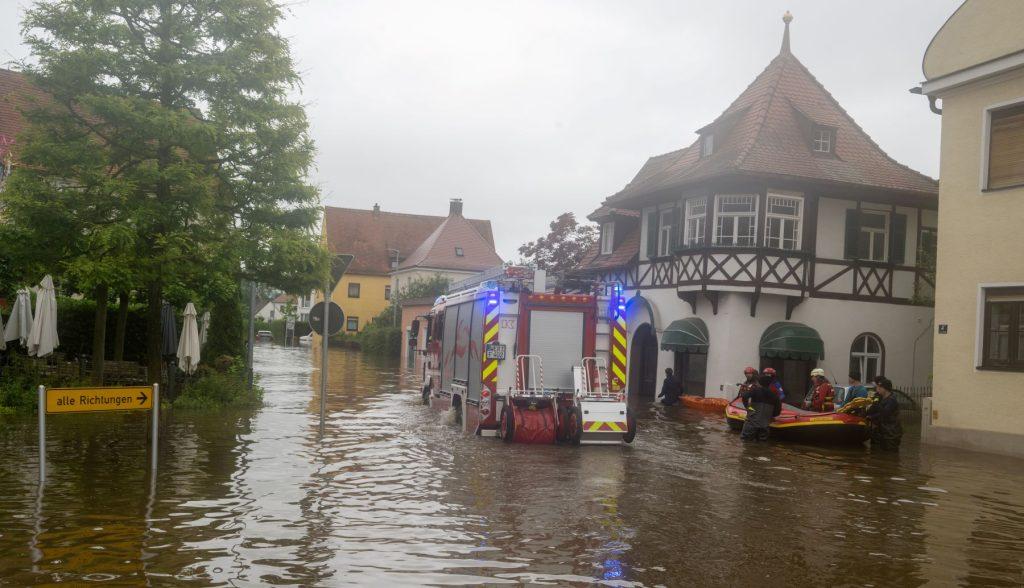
point(782, 236)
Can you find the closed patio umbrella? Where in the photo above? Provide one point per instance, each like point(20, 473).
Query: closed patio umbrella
point(204, 327)
point(20, 322)
point(42, 339)
point(188, 345)
point(169, 330)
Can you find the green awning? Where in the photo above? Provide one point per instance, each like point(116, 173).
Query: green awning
point(792, 341)
point(688, 334)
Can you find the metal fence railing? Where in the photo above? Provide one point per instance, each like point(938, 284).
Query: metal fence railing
point(910, 396)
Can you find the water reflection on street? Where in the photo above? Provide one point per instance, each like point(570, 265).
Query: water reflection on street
point(394, 495)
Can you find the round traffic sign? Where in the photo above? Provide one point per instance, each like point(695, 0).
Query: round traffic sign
point(316, 319)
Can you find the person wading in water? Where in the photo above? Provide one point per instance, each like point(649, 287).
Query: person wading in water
point(671, 389)
point(884, 418)
point(762, 406)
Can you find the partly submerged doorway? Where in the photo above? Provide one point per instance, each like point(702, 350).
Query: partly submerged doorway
point(688, 339)
point(643, 363)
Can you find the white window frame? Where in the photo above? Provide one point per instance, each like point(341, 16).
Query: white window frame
point(863, 355)
point(607, 237)
point(798, 218)
point(665, 230)
point(823, 137)
point(986, 136)
point(707, 145)
point(695, 237)
point(719, 198)
point(979, 321)
point(885, 234)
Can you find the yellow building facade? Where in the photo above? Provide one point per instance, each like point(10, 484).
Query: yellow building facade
point(974, 70)
point(361, 297)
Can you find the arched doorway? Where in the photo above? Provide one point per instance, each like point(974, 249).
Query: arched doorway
point(643, 363)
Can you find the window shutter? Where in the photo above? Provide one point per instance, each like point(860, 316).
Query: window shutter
point(898, 239)
point(1006, 148)
point(677, 228)
point(852, 233)
point(652, 233)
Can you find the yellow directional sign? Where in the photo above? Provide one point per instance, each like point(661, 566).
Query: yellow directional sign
point(98, 399)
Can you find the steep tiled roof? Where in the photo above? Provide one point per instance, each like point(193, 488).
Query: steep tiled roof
point(439, 249)
point(369, 234)
point(624, 254)
point(762, 133)
point(16, 93)
point(608, 212)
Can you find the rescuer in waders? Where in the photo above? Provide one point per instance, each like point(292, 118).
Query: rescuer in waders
point(671, 388)
point(776, 385)
point(749, 379)
point(884, 418)
point(762, 406)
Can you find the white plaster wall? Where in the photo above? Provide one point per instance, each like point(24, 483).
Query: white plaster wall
point(832, 226)
point(905, 331)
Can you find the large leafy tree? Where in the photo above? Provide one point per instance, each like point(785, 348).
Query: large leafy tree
point(562, 249)
point(196, 151)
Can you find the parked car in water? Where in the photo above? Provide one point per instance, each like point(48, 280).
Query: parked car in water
point(264, 336)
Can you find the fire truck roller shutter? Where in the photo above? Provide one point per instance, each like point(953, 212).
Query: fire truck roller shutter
point(557, 336)
point(475, 351)
point(462, 343)
point(451, 321)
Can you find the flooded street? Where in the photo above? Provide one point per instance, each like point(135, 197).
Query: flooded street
point(395, 495)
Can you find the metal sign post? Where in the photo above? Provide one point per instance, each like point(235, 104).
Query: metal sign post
point(323, 355)
point(64, 400)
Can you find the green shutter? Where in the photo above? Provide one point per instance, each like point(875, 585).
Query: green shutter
point(652, 233)
point(677, 228)
point(898, 239)
point(852, 233)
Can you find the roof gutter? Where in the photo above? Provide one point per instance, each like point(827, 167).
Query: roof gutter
point(971, 74)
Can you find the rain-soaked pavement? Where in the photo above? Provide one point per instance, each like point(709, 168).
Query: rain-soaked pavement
point(394, 495)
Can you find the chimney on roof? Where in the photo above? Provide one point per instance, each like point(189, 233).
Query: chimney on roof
point(455, 207)
point(786, 18)
point(376, 208)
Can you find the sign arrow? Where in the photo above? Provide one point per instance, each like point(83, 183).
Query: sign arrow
point(141, 397)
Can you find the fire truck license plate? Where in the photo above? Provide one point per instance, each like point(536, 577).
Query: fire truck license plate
point(495, 351)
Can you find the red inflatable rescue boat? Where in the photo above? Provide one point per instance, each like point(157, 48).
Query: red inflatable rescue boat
point(845, 425)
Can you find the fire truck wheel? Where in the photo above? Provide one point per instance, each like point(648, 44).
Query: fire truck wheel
point(508, 428)
point(426, 394)
point(574, 424)
point(630, 433)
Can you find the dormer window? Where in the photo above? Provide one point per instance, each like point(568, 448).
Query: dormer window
point(607, 238)
point(459, 252)
point(823, 139)
point(707, 145)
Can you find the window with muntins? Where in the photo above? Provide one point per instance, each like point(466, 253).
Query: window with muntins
point(1006, 147)
point(387, 292)
point(665, 218)
point(867, 356)
point(736, 220)
point(873, 240)
point(696, 220)
point(353, 290)
point(607, 238)
point(823, 139)
point(352, 323)
point(782, 230)
point(1003, 336)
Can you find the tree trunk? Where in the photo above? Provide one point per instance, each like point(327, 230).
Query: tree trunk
point(122, 325)
point(99, 335)
point(153, 331)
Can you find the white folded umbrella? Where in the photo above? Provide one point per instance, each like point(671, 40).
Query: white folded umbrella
point(188, 344)
point(204, 327)
point(42, 339)
point(20, 322)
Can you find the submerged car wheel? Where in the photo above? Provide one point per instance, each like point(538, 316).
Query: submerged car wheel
point(630, 433)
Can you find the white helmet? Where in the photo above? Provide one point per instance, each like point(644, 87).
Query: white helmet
point(818, 372)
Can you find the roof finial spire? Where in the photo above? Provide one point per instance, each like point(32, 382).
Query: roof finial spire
point(786, 18)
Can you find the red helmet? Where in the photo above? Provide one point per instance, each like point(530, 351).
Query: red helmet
point(769, 371)
point(749, 370)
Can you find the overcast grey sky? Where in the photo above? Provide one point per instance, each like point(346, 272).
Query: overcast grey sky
point(528, 109)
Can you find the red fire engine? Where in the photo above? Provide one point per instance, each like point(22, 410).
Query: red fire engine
point(530, 367)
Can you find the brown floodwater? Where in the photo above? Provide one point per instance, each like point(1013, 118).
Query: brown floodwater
point(394, 495)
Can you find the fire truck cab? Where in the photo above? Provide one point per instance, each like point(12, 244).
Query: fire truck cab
point(530, 367)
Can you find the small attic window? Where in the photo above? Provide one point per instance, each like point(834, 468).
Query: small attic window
point(823, 139)
point(459, 252)
point(707, 145)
